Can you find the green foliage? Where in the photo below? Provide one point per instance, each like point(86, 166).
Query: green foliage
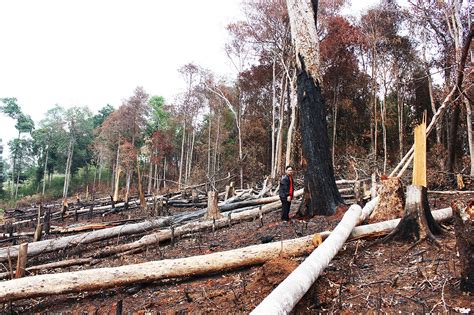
point(159, 119)
point(11, 108)
point(102, 115)
point(24, 123)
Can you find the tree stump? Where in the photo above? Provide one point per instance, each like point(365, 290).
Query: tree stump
point(391, 201)
point(417, 223)
point(47, 221)
point(194, 196)
point(21, 262)
point(212, 207)
point(38, 232)
point(464, 229)
point(229, 191)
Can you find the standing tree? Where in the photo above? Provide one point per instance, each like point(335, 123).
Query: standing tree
point(321, 194)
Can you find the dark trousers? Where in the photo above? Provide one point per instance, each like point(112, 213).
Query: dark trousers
point(285, 209)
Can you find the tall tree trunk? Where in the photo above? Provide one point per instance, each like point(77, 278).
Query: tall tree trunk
point(150, 175)
point(216, 146)
point(400, 122)
point(384, 130)
point(273, 175)
point(430, 88)
point(191, 155)
point(209, 145)
point(334, 124)
point(182, 156)
point(12, 192)
point(164, 173)
point(140, 187)
point(117, 174)
point(469, 133)
point(186, 166)
point(452, 140)
point(279, 142)
point(374, 104)
point(291, 128)
point(45, 170)
point(68, 167)
point(321, 194)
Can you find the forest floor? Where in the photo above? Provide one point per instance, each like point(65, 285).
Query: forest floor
point(392, 277)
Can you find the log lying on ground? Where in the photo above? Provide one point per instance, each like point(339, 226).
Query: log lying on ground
point(104, 278)
point(84, 238)
point(165, 235)
point(64, 242)
point(291, 290)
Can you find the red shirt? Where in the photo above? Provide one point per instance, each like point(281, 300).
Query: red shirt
point(291, 186)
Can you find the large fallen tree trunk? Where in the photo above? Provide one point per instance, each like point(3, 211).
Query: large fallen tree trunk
point(291, 290)
point(104, 278)
point(84, 238)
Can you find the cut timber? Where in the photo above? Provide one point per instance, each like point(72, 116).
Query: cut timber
point(103, 278)
point(419, 162)
point(391, 203)
point(294, 287)
point(22, 259)
point(417, 223)
point(464, 229)
point(212, 208)
point(46, 246)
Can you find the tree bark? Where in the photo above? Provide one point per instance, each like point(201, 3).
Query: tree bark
point(291, 128)
point(321, 194)
point(464, 229)
point(182, 157)
point(212, 208)
point(417, 223)
point(22, 259)
point(470, 139)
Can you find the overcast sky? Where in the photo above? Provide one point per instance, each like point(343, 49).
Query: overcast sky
point(96, 52)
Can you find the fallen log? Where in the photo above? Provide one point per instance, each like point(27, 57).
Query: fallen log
point(193, 227)
point(291, 290)
point(104, 278)
point(454, 192)
point(84, 238)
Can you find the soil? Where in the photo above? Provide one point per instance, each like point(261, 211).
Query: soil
point(363, 277)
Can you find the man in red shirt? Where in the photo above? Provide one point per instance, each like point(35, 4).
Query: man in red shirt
point(286, 193)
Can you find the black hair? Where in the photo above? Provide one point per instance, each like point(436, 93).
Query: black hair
point(288, 166)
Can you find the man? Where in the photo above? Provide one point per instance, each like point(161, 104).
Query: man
point(286, 193)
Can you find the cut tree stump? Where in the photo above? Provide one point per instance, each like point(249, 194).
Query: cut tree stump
point(22, 259)
point(417, 223)
point(391, 203)
point(212, 207)
point(464, 229)
point(38, 233)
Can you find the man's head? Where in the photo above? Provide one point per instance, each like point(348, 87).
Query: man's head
point(289, 170)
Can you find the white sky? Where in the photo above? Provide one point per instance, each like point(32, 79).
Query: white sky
point(96, 52)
